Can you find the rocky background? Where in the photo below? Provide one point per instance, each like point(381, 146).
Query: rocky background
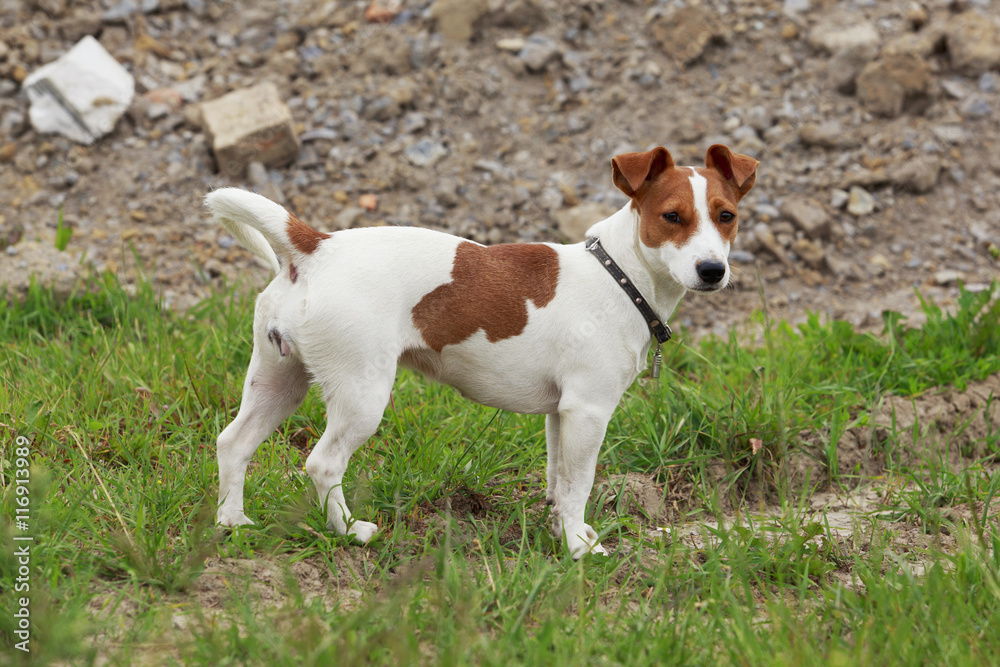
point(875, 122)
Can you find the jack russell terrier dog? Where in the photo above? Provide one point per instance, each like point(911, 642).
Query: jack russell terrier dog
point(540, 328)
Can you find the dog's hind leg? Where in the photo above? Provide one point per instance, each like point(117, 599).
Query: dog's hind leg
point(274, 387)
point(552, 448)
point(354, 411)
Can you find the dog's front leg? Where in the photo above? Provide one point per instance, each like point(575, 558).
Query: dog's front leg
point(581, 430)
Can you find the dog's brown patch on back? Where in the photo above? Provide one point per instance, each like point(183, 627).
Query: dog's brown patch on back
point(303, 237)
point(489, 290)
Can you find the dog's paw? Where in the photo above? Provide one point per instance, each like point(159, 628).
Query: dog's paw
point(232, 520)
point(362, 531)
point(584, 541)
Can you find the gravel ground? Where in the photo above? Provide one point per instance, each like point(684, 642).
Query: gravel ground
point(875, 124)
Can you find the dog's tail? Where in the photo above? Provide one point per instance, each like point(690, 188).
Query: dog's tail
point(263, 227)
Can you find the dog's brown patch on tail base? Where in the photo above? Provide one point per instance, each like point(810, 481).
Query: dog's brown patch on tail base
point(489, 290)
point(303, 237)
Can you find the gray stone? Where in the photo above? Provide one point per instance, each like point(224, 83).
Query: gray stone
point(810, 253)
point(385, 56)
point(490, 166)
point(538, 51)
point(747, 141)
point(922, 43)
point(262, 183)
point(381, 109)
point(765, 237)
point(973, 42)
point(425, 153)
point(412, 122)
point(918, 174)
point(247, 125)
point(889, 86)
point(349, 217)
point(82, 95)
point(458, 20)
point(954, 88)
point(843, 67)
point(518, 14)
point(841, 266)
point(758, 118)
point(742, 256)
point(808, 215)
point(447, 193)
point(838, 198)
point(988, 82)
point(684, 33)
point(574, 222)
point(320, 133)
point(82, 23)
point(828, 134)
point(795, 6)
point(952, 134)
point(975, 107)
point(766, 210)
point(860, 202)
point(127, 8)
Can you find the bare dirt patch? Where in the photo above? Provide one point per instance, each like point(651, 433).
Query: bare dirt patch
point(958, 427)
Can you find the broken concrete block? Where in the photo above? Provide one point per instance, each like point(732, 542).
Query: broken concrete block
point(80, 95)
point(250, 125)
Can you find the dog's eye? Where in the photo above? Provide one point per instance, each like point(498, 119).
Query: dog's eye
point(672, 217)
point(726, 216)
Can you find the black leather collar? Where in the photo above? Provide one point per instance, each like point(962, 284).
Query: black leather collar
point(660, 330)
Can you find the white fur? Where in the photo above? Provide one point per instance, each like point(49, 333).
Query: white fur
point(347, 319)
point(256, 222)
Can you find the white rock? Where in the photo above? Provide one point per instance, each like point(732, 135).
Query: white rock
point(860, 202)
point(832, 38)
point(81, 95)
point(947, 277)
point(250, 124)
point(511, 44)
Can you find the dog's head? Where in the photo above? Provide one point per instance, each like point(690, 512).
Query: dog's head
point(687, 215)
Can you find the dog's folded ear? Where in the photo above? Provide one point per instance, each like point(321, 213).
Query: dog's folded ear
point(631, 170)
point(740, 169)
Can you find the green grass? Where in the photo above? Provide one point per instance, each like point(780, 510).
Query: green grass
point(123, 402)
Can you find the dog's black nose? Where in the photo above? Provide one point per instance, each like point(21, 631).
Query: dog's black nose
point(711, 271)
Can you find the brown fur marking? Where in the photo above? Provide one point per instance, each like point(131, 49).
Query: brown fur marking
point(489, 290)
point(671, 192)
point(722, 196)
point(303, 237)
